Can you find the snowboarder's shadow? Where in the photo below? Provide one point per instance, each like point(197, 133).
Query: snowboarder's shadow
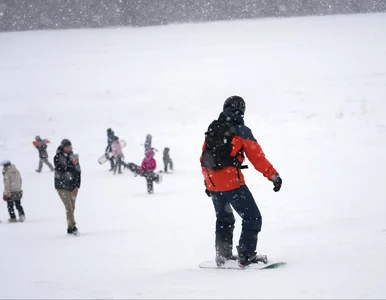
point(99, 233)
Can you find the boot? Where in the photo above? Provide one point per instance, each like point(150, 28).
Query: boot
point(248, 259)
point(12, 220)
point(224, 254)
point(72, 230)
point(75, 230)
point(221, 260)
point(21, 218)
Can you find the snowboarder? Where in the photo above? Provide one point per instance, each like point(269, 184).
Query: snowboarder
point(13, 192)
point(118, 155)
point(148, 142)
point(226, 142)
point(168, 162)
point(110, 140)
point(147, 169)
point(67, 181)
point(41, 145)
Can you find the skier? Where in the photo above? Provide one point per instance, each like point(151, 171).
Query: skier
point(13, 192)
point(168, 162)
point(148, 143)
point(147, 169)
point(118, 155)
point(41, 145)
point(67, 181)
point(226, 142)
point(110, 140)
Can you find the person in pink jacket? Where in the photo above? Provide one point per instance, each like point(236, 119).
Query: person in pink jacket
point(147, 169)
point(118, 154)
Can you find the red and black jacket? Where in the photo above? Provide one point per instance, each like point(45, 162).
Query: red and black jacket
point(243, 143)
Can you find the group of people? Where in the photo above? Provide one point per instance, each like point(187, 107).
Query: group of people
point(115, 154)
point(147, 169)
point(67, 181)
point(227, 142)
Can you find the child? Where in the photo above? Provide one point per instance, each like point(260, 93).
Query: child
point(12, 191)
point(41, 146)
point(118, 154)
point(147, 170)
point(168, 162)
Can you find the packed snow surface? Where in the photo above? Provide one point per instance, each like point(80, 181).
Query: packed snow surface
point(315, 89)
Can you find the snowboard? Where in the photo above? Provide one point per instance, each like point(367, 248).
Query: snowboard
point(234, 265)
point(108, 155)
point(155, 149)
point(136, 169)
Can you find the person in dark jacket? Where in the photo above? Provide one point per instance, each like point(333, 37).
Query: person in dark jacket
point(227, 188)
point(168, 162)
point(110, 141)
point(41, 146)
point(67, 181)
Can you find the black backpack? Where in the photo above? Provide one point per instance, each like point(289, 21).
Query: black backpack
point(217, 153)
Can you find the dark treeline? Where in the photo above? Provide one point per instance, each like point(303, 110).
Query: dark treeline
point(60, 14)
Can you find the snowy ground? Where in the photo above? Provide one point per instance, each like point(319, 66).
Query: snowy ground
point(315, 91)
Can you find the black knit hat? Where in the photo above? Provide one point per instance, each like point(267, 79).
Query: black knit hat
point(234, 103)
point(65, 143)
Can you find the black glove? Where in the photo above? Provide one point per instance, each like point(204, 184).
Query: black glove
point(206, 190)
point(277, 182)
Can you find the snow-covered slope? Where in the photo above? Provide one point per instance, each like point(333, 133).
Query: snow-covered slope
point(315, 91)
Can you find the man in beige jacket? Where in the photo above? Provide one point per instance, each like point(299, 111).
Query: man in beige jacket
point(12, 191)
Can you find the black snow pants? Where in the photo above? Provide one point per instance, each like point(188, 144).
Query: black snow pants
point(243, 203)
point(15, 200)
point(150, 177)
point(112, 163)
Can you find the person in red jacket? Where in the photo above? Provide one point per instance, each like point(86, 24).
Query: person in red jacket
point(225, 182)
point(41, 145)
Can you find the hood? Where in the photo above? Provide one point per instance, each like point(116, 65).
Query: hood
point(61, 151)
point(150, 153)
point(233, 117)
point(10, 169)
